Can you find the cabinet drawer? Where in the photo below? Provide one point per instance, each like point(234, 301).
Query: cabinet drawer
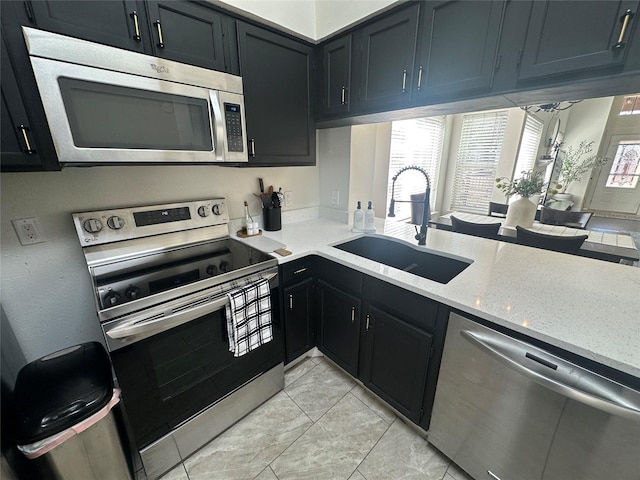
point(298, 270)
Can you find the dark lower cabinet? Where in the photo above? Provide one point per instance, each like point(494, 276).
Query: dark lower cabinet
point(395, 360)
point(277, 76)
point(298, 318)
point(389, 338)
point(565, 37)
point(298, 287)
point(339, 325)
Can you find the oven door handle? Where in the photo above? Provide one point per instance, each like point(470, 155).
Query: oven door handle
point(166, 322)
point(161, 323)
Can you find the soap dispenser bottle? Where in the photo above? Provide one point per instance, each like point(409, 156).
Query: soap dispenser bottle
point(358, 219)
point(369, 217)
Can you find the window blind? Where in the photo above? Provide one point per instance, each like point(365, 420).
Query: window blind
point(477, 161)
point(415, 142)
point(529, 144)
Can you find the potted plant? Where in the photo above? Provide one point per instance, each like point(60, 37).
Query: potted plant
point(523, 211)
point(574, 163)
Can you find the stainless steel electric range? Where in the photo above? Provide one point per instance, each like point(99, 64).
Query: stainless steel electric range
point(160, 276)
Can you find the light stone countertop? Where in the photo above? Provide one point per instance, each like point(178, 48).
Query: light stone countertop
point(586, 306)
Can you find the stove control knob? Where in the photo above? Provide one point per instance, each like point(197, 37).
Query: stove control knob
point(132, 292)
point(92, 225)
point(115, 222)
point(218, 208)
point(224, 266)
point(211, 270)
point(111, 298)
point(203, 211)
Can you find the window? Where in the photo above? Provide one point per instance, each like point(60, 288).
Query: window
point(625, 170)
point(631, 105)
point(528, 150)
point(415, 142)
point(477, 161)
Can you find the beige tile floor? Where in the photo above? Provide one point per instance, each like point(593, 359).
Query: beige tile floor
point(323, 426)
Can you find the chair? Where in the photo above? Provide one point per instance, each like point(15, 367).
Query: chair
point(568, 218)
point(557, 243)
point(486, 230)
point(498, 209)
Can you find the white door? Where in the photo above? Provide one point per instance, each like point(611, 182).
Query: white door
point(618, 185)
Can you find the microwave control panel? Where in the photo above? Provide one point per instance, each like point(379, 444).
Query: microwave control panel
point(233, 121)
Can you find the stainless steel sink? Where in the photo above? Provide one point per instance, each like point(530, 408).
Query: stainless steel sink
point(404, 256)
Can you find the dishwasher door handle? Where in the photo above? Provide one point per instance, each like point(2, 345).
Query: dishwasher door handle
point(483, 343)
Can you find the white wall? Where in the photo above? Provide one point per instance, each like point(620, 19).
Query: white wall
point(314, 19)
point(333, 15)
point(587, 121)
point(45, 288)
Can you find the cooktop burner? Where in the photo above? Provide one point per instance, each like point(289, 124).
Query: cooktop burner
point(142, 256)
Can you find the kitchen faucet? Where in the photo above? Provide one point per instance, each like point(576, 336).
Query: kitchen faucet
point(421, 235)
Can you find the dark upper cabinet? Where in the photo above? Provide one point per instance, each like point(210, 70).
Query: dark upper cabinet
point(457, 47)
point(396, 357)
point(336, 76)
point(384, 73)
point(26, 141)
point(176, 30)
point(187, 32)
point(277, 76)
point(119, 23)
point(567, 37)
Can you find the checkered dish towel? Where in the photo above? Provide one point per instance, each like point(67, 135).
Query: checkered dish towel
point(249, 317)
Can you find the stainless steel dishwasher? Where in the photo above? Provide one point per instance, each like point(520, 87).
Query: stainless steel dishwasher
point(507, 410)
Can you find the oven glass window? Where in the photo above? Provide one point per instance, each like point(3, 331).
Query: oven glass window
point(110, 116)
point(169, 377)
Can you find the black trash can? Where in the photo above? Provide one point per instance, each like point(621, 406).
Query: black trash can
point(63, 418)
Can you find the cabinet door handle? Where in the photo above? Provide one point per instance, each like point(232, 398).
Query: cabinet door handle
point(300, 271)
point(367, 326)
point(290, 302)
point(404, 81)
point(160, 39)
point(136, 26)
point(420, 77)
point(624, 19)
point(353, 314)
point(23, 129)
point(252, 149)
point(343, 95)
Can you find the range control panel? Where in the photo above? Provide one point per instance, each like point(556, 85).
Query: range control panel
point(106, 226)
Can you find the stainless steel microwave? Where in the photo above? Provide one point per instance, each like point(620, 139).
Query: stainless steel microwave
point(109, 106)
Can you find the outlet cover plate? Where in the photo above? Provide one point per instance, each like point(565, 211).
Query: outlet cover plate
point(28, 230)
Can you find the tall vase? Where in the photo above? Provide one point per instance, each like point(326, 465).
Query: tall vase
point(521, 212)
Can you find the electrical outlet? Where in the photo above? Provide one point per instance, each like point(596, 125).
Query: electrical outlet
point(287, 199)
point(28, 230)
point(335, 197)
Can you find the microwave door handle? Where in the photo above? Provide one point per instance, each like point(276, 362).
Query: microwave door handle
point(167, 322)
point(219, 144)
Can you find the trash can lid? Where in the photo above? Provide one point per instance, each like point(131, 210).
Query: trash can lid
point(59, 390)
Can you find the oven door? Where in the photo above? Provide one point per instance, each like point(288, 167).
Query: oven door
point(171, 371)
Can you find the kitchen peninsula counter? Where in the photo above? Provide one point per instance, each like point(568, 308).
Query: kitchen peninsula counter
point(585, 306)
